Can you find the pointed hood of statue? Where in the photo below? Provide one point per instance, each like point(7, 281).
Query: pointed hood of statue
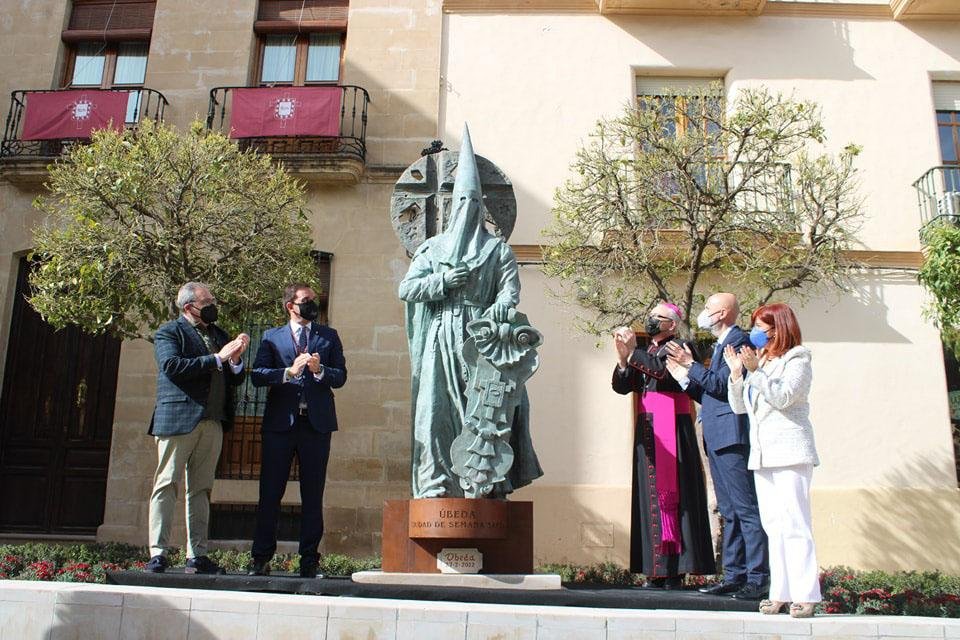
point(467, 183)
point(466, 239)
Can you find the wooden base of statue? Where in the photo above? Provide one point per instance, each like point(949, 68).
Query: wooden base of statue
point(416, 531)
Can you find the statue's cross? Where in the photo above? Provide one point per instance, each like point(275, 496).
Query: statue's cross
point(421, 203)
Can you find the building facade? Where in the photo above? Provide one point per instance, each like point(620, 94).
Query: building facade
point(531, 77)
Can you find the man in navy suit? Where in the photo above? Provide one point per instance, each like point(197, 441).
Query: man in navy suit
point(726, 439)
point(198, 369)
point(301, 363)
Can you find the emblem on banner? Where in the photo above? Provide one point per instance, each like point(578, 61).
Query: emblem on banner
point(285, 109)
point(82, 109)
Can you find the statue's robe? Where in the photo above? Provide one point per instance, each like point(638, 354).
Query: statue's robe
point(436, 329)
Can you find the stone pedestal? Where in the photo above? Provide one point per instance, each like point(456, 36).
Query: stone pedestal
point(416, 531)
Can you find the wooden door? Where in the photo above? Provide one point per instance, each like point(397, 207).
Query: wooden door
point(56, 420)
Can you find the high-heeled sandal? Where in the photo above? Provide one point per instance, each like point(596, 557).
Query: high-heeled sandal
point(802, 609)
point(770, 607)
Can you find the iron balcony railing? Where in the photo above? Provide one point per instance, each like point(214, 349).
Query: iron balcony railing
point(938, 195)
point(351, 140)
point(141, 103)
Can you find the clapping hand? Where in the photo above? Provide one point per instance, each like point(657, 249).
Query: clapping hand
point(625, 340)
point(749, 358)
point(733, 361)
point(679, 354)
point(244, 340)
point(299, 363)
point(677, 371)
point(234, 349)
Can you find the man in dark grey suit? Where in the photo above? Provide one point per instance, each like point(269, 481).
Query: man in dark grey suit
point(726, 439)
point(198, 369)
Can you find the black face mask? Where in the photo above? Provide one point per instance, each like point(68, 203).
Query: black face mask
point(209, 314)
point(652, 326)
point(309, 310)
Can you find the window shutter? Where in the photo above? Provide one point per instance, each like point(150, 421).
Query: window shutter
point(301, 16)
point(672, 85)
point(946, 96)
point(106, 20)
point(323, 260)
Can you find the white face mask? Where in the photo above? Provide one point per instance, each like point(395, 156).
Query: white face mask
point(705, 320)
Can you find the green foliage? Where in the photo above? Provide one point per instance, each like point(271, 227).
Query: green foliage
point(738, 194)
point(134, 215)
point(910, 593)
point(61, 554)
point(602, 573)
point(940, 274)
point(90, 562)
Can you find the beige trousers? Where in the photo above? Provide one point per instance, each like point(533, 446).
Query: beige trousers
point(196, 453)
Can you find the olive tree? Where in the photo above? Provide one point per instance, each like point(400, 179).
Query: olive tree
point(684, 194)
point(940, 275)
point(133, 215)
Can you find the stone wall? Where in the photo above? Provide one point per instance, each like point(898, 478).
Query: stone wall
point(393, 51)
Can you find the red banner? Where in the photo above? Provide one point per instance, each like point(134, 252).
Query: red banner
point(56, 115)
point(285, 111)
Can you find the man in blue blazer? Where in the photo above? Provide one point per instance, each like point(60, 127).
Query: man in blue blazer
point(198, 369)
point(726, 440)
point(301, 363)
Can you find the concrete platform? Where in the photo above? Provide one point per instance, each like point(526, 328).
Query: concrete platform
point(55, 610)
point(531, 582)
point(567, 596)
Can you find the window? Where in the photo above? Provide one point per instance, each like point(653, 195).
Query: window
point(948, 128)
point(946, 100)
point(301, 41)
point(299, 60)
point(107, 45)
point(682, 112)
point(103, 65)
point(671, 96)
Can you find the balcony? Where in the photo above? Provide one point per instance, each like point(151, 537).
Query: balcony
point(938, 196)
point(43, 124)
point(317, 132)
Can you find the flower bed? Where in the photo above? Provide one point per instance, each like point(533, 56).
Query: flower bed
point(90, 562)
point(910, 593)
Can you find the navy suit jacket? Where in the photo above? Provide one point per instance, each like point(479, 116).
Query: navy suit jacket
point(721, 426)
point(277, 352)
point(184, 370)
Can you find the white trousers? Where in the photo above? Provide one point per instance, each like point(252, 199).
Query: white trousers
point(783, 495)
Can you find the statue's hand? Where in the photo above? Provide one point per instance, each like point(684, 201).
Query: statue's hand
point(456, 277)
point(499, 312)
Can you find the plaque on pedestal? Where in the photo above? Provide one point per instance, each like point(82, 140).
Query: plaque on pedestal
point(415, 532)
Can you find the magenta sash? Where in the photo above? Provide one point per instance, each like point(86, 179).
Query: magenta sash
point(664, 407)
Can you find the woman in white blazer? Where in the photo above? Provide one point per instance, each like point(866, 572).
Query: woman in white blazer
point(774, 393)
